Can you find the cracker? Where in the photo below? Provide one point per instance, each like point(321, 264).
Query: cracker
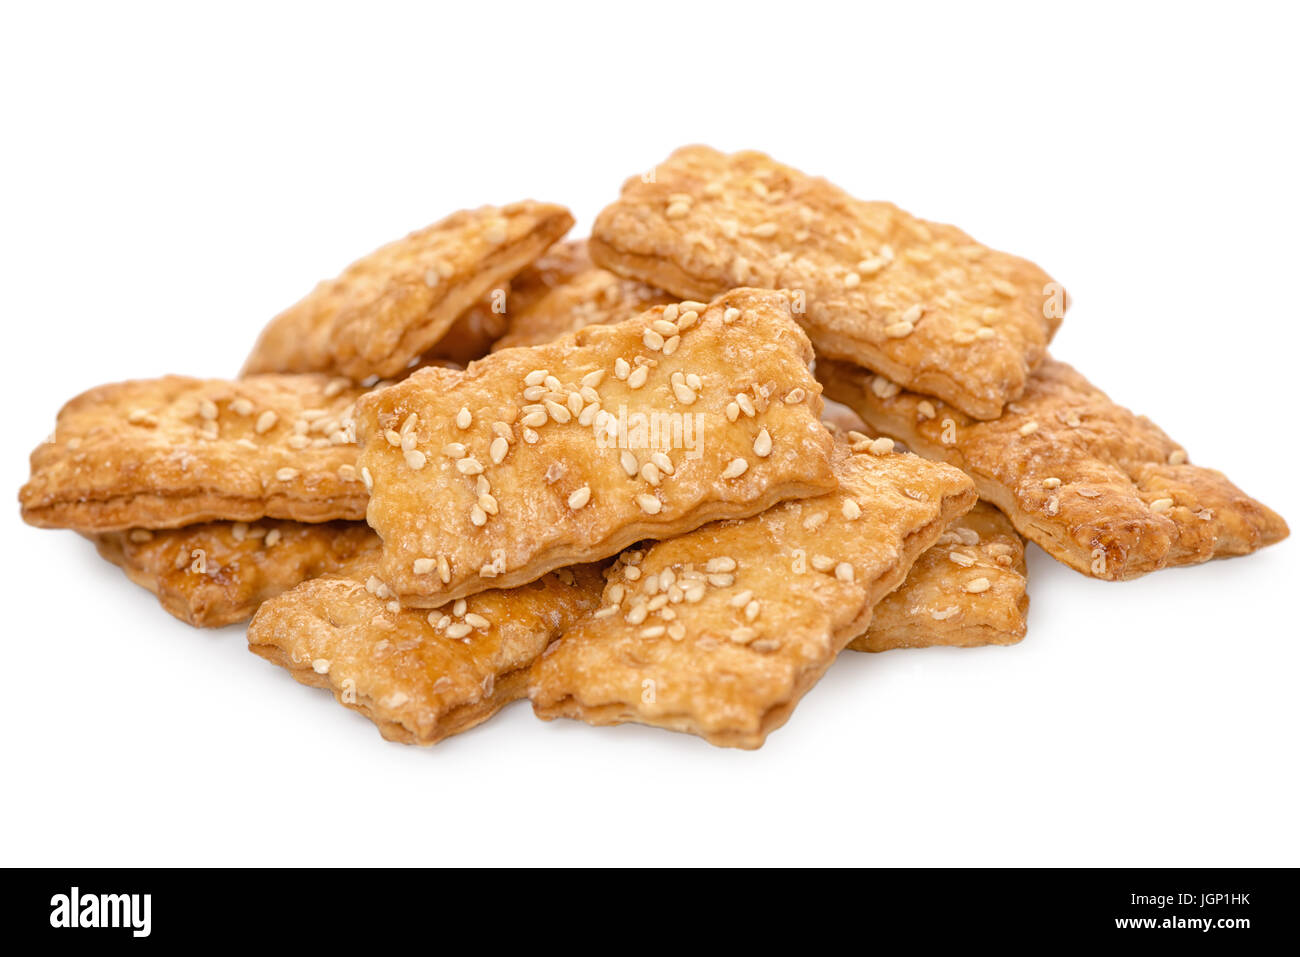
point(965, 590)
point(392, 306)
point(162, 453)
point(490, 477)
point(412, 673)
point(921, 302)
point(219, 573)
point(721, 631)
point(585, 295)
point(1099, 488)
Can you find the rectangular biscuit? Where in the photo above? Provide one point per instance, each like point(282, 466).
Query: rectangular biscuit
point(965, 590)
point(420, 676)
point(720, 632)
point(390, 307)
point(218, 573)
point(162, 453)
point(1099, 488)
point(921, 302)
point(586, 296)
point(533, 459)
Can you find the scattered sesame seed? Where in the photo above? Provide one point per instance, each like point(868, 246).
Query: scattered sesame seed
point(977, 585)
point(207, 409)
point(321, 666)
point(415, 459)
point(852, 280)
point(286, 474)
point(630, 465)
point(881, 446)
point(1029, 428)
point(925, 409)
point(477, 621)
point(1052, 482)
point(1162, 505)
point(463, 418)
point(844, 572)
point(536, 377)
point(730, 315)
point(851, 509)
point(469, 466)
point(735, 468)
point(580, 497)
point(265, 422)
point(763, 444)
point(1178, 457)
point(898, 330)
point(649, 503)
point(367, 479)
point(638, 377)
point(459, 629)
point(423, 566)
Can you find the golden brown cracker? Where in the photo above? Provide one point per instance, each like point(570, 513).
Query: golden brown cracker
point(965, 590)
point(219, 573)
point(534, 459)
point(1099, 488)
point(721, 631)
point(395, 304)
point(921, 302)
point(420, 676)
point(162, 453)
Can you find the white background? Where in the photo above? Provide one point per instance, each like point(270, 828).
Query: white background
point(170, 179)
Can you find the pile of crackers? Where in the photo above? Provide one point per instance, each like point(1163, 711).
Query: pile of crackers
point(484, 463)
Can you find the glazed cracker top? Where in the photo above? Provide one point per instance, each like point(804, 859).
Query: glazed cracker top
point(921, 302)
point(532, 459)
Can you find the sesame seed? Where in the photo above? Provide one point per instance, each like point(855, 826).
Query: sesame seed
point(852, 280)
point(1029, 428)
point(477, 621)
point(945, 614)
point(850, 509)
point(392, 436)
point(881, 446)
point(652, 340)
point(650, 472)
point(637, 614)
point(638, 377)
point(746, 404)
point(977, 585)
point(743, 635)
point(621, 368)
point(477, 516)
point(423, 566)
point(535, 419)
point(733, 411)
point(1051, 482)
point(985, 333)
point(913, 314)
point(1162, 505)
point(536, 377)
point(687, 319)
point(207, 409)
point(677, 210)
point(684, 393)
point(671, 344)
point(690, 305)
point(241, 406)
point(286, 474)
point(630, 465)
point(415, 459)
point(469, 466)
point(765, 230)
point(580, 497)
point(321, 666)
point(649, 503)
point(265, 422)
point(444, 569)
point(735, 468)
point(722, 563)
point(1178, 457)
point(367, 479)
point(844, 572)
point(459, 630)
point(454, 450)
point(1053, 505)
point(898, 330)
point(884, 388)
point(925, 409)
point(653, 631)
point(823, 563)
point(730, 315)
point(763, 444)
point(1004, 288)
point(498, 449)
point(530, 436)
